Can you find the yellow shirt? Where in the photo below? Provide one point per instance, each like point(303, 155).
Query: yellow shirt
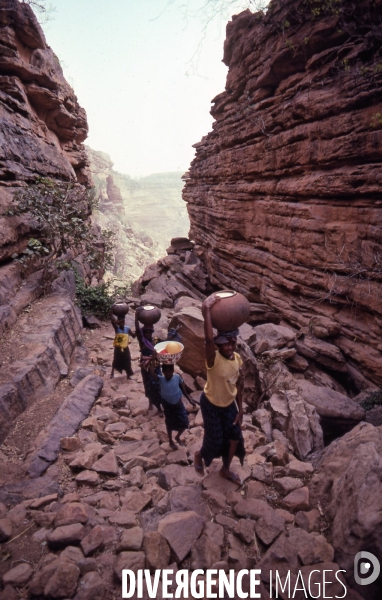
point(121, 340)
point(220, 388)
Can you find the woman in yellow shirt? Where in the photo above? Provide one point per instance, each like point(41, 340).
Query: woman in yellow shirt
point(222, 417)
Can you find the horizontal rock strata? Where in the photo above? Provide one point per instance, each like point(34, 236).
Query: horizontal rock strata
point(45, 344)
point(42, 124)
point(284, 194)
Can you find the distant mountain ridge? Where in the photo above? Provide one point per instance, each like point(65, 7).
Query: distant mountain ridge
point(144, 213)
point(154, 203)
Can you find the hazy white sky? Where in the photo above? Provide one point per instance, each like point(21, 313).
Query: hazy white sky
point(130, 64)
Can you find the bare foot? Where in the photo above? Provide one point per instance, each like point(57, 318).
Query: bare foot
point(173, 446)
point(198, 463)
point(230, 475)
point(179, 441)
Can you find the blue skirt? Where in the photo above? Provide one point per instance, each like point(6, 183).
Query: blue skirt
point(175, 416)
point(219, 430)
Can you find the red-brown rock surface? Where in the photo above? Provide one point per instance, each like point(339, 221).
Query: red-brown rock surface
point(41, 134)
point(284, 194)
point(43, 126)
point(348, 484)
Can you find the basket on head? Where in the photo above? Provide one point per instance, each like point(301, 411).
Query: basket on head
point(171, 357)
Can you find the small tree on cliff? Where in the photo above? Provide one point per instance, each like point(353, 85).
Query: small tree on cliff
point(42, 8)
point(209, 13)
point(59, 215)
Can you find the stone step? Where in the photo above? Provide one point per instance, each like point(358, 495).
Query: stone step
point(15, 294)
point(47, 346)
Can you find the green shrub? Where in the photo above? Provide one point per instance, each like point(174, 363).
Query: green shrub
point(372, 400)
point(98, 299)
point(59, 213)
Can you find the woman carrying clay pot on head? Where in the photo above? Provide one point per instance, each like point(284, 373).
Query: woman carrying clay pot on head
point(222, 417)
point(146, 345)
point(122, 356)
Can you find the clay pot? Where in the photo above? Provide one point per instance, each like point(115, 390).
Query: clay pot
point(149, 315)
point(120, 309)
point(230, 312)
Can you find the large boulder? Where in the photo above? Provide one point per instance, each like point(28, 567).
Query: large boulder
point(337, 412)
point(299, 420)
point(303, 428)
point(270, 336)
point(348, 483)
point(190, 319)
point(181, 530)
point(322, 352)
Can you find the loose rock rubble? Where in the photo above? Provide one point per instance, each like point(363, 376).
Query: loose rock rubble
point(116, 496)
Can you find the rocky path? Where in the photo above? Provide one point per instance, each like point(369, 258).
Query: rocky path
point(114, 495)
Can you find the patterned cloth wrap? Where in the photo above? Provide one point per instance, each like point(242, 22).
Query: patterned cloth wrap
point(176, 416)
point(219, 430)
point(152, 388)
point(122, 356)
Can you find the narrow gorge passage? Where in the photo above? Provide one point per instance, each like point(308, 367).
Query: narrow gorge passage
point(117, 496)
point(283, 198)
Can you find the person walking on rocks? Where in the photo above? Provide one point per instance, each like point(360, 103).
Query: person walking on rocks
point(172, 389)
point(122, 356)
point(146, 345)
point(222, 418)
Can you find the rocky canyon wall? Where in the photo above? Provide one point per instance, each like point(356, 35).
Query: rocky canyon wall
point(42, 128)
point(42, 124)
point(284, 195)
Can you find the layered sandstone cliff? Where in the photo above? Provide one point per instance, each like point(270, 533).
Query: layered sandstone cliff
point(284, 195)
point(42, 126)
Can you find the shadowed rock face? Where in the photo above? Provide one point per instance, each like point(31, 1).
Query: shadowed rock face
point(42, 124)
point(346, 482)
point(284, 194)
